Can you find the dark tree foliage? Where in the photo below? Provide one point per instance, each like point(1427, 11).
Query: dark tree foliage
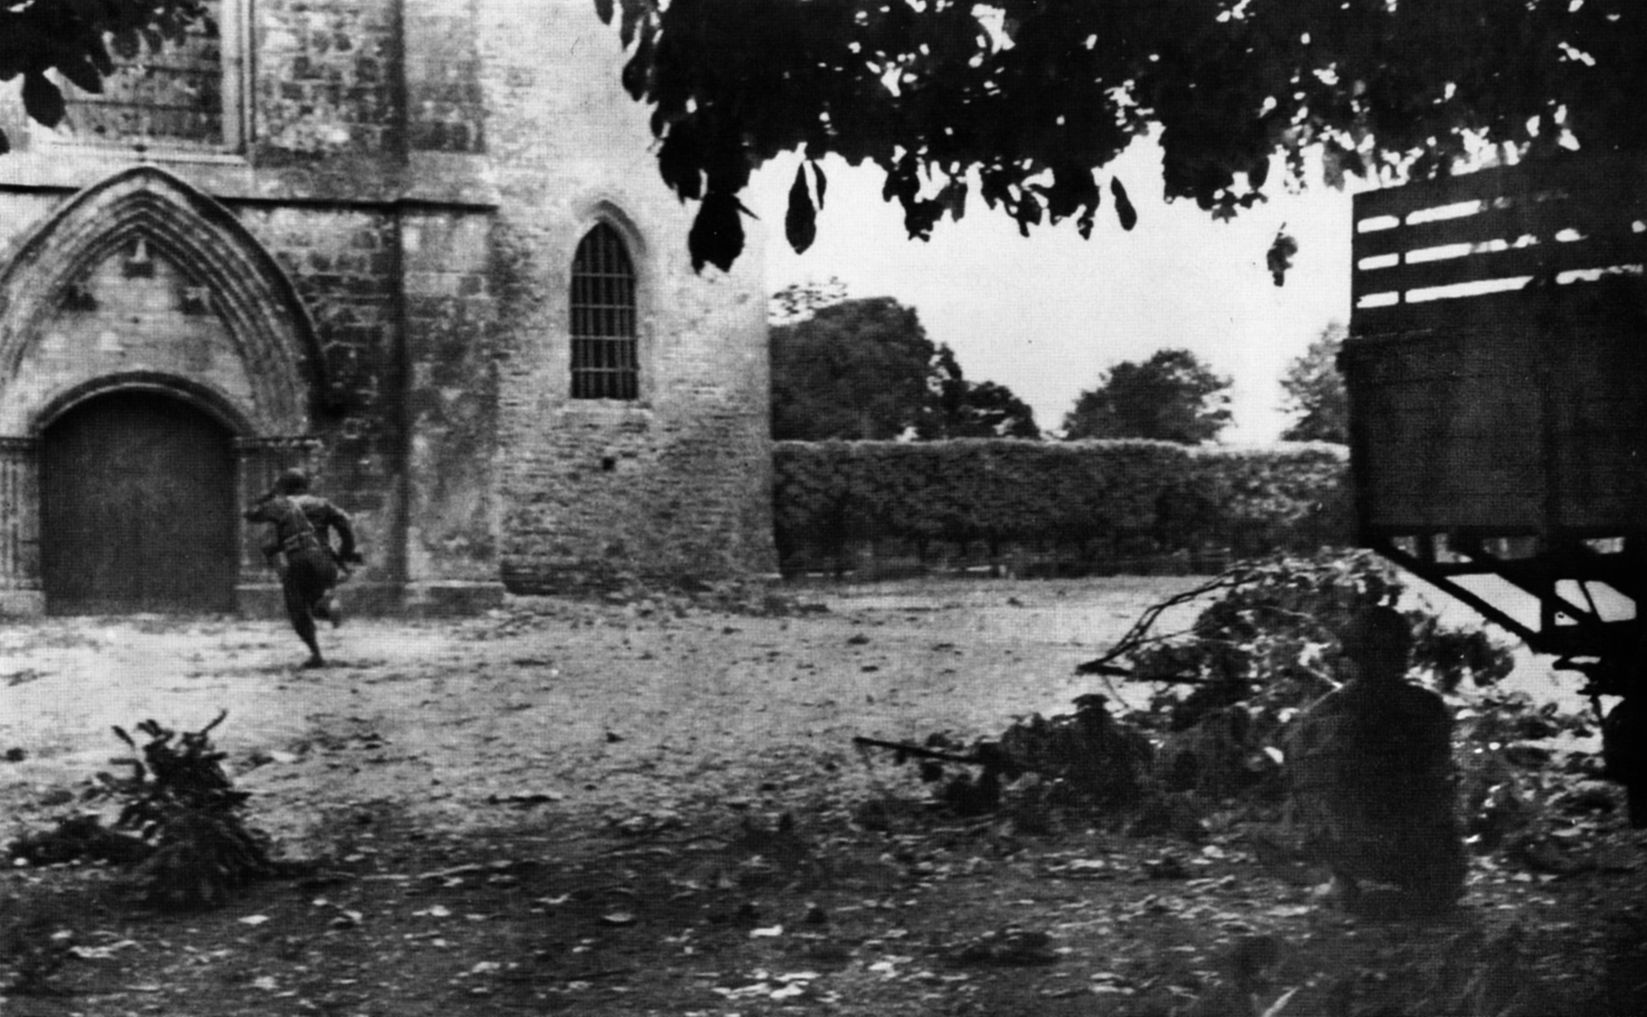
point(854, 370)
point(1316, 398)
point(1029, 99)
point(866, 370)
point(1171, 396)
point(73, 39)
point(973, 409)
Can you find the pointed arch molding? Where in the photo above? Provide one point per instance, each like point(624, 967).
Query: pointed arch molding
point(271, 329)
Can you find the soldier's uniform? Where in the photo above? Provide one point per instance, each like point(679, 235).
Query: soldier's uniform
point(300, 549)
point(1624, 735)
point(1370, 771)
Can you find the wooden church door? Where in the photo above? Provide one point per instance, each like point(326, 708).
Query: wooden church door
point(137, 508)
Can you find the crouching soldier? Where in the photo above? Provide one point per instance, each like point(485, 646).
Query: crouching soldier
point(1370, 771)
point(1624, 734)
point(300, 549)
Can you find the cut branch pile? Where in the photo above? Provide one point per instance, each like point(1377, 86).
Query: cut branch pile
point(180, 825)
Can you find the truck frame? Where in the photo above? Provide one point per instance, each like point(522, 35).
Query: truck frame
point(1496, 368)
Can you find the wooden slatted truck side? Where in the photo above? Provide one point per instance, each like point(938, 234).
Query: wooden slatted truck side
point(1497, 376)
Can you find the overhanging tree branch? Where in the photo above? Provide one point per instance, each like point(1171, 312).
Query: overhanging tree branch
point(42, 41)
point(1029, 102)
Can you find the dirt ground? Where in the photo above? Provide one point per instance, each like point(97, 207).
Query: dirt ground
point(652, 807)
point(604, 706)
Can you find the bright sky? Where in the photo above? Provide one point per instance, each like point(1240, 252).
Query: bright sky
point(1046, 315)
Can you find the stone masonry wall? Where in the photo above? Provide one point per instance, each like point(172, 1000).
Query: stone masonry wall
point(676, 483)
point(345, 267)
point(452, 397)
point(422, 172)
point(328, 80)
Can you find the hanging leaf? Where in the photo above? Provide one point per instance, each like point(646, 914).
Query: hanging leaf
point(920, 215)
point(800, 223)
point(1123, 205)
point(1279, 257)
point(1072, 193)
point(678, 161)
point(633, 13)
point(726, 159)
point(822, 184)
point(42, 100)
point(637, 73)
point(1258, 172)
point(716, 237)
point(603, 10)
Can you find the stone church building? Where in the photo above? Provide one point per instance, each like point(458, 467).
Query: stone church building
point(416, 246)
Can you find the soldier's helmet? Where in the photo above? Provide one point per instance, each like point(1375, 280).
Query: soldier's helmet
point(292, 482)
point(1378, 634)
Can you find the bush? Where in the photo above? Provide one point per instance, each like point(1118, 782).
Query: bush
point(1094, 500)
point(1266, 648)
point(178, 799)
point(187, 836)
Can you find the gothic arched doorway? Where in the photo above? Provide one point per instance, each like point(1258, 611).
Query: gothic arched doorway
point(137, 508)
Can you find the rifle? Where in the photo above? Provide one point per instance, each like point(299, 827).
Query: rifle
point(988, 755)
point(918, 751)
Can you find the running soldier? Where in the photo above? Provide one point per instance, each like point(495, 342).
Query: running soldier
point(300, 549)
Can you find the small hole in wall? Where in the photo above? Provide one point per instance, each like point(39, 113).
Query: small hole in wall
point(608, 463)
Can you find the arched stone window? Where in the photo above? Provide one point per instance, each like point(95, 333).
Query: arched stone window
point(605, 358)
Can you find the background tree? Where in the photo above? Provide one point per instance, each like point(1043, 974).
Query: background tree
point(972, 409)
point(854, 370)
point(1025, 100)
point(72, 38)
point(1171, 396)
point(865, 370)
point(1315, 391)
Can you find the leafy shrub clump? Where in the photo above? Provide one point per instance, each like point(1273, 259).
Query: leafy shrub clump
point(180, 824)
point(1266, 648)
point(1264, 645)
point(178, 799)
point(1272, 635)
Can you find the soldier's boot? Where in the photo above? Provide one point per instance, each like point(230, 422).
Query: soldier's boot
point(306, 632)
